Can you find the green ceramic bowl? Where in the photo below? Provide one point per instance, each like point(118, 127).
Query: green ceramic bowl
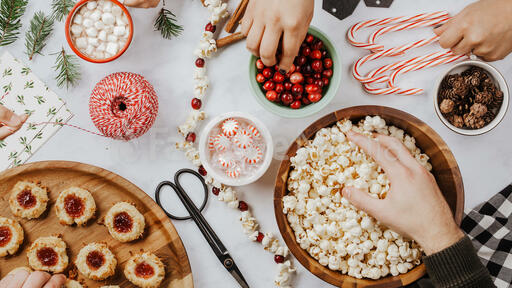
point(312, 108)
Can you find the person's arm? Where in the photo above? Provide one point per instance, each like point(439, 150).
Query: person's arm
point(142, 3)
point(266, 23)
point(37, 279)
point(483, 28)
point(10, 122)
point(416, 208)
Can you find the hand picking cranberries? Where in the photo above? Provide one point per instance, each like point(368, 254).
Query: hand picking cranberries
point(305, 82)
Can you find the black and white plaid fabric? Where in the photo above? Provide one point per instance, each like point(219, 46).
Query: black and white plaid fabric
point(489, 226)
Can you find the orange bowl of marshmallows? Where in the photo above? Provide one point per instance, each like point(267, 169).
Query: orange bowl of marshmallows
point(99, 31)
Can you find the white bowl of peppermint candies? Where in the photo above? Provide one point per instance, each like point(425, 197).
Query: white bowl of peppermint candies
point(236, 148)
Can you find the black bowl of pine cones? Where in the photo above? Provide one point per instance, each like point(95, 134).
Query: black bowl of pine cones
point(471, 98)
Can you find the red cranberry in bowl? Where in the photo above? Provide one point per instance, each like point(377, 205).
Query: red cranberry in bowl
point(326, 81)
point(310, 80)
point(260, 78)
point(287, 98)
point(278, 77)
point(296, 104)
point(297, 89)
point(306, 69)
point(305, 51)
point(301, 60)
point(327, 73)
point(269, 85)
point(267, 72)
point(288, 86)
point(309, 38)
point(305, 101)
point(317, 66)
point(271, 95)
point(328, 63)
point(316, 54)
point(317, 76)
point(279, 88)
point(312, 88)
point(314, 97)
point(318, 45)
point(296, 78)
point(259, 65)
point(319, 83)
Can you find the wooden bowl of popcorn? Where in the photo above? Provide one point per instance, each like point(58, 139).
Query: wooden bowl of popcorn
point(99, 31)
point(311, 212)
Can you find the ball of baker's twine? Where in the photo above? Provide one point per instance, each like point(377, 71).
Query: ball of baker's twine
point(123, 106)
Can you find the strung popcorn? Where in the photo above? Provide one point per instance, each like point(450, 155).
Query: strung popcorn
point(325, 224)
point(100, 29)
point(234, 149)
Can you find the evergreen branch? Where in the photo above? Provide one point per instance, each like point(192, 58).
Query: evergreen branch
point(68, 69)
point(167, 24)
point(61, 8)
point(10, 23)
point(41, 27)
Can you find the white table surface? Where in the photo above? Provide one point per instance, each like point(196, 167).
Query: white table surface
point(484, 161)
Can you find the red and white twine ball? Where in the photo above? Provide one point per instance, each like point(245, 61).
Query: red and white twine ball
point(123, 105)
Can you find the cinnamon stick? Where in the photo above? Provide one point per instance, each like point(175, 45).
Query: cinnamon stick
point(236, 17)
point(202, 1)
point(230, 39)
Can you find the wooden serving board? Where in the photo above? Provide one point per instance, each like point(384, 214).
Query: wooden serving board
point(107, 188)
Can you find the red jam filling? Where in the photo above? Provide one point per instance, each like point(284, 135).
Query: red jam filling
point(47, 256)
point(144, 270)
point(5, 236)
point(123, 222)
point(95, 260)
point(74, 206)
point(26, 199)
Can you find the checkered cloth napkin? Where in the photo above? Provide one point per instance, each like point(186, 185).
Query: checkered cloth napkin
point(489, 226)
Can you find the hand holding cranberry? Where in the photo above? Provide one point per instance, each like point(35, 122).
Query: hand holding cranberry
point(306, 79)
point(266, 22)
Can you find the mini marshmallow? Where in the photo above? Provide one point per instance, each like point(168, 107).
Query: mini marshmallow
point(87, 23)
point(108, 18)
point(101, 47)
point(98, 54)
point(93, 41)
point(99, 25)
point(91, 5)
point(89, 50)
point(96, 15)
point(81, 42)
point(87, 14)
point(119, 30)
point(91, 31)
point(120, 21)
point(112, 38)
point(112, 48)
point(76, 29)
point(102, 35)
point(78, 19)
point(107, 6)
point(116, 10)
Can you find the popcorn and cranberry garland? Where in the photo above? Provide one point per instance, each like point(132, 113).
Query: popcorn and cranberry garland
point(206, 48)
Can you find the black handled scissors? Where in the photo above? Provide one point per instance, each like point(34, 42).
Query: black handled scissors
point(195, 214)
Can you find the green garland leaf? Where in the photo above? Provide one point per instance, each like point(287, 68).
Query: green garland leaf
point(10, 23)
point(41, 26)
point(167, 24)
point(67, 68)
point(61, 8)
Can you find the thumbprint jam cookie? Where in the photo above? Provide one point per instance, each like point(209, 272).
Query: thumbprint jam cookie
point(28, 200)
point(95, 261)
point(124, 222)
point(11, 236)
point(48, 254)
point(75, 205)
point(145, 270)
point(70, 283)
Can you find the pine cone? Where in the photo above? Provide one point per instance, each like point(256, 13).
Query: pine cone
point(488, 117)
point(460, 88)
point(497, 100)
point(478, 110)
point(488, 85)
point(484, 97)
point(473, 122)
point(447, 106)
point(456, 121)
point(450, 79)
point(472, 80)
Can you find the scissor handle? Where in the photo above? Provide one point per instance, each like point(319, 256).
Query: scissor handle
point(178, 187)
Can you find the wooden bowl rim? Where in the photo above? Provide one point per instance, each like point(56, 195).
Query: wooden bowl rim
point(335, 277)
point(117, 179)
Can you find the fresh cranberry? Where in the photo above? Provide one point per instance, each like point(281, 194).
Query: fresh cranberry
point(210, 27)
point(260, 78)
point(305, 51)
point(327, 73)
point(271, 95)
point(259, 65)
point(316, 54)
point(301, 60)
point(296, 104)
point(260, 237)
point(307, 70)
point(287, 98)
point(288, 86)
point(267, 72)
point(305, 101)
point(297, 97)
point(312, 88)
point(326, 81)
point(328, 63)
point(196, 103)
point(269, 85)
point(278, 77)
point(298, 68)
point(317, 65)
point(309, 38)
point(297, 89)
point(324, 53)
point(310, 80)
point(279, 88)
point(242, 206)
point(318, 45)
point(292, 69)
point(200, 62)
point(202, 171)
point(317, 76)
point(319, 83)
point(215, 191)
point(314, 97)
point(296, 78)
point(191, 137)
point(279, 259)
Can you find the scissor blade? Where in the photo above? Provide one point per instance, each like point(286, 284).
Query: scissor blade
point(239, 277)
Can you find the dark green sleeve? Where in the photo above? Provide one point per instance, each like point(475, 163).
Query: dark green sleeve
point(458, 266)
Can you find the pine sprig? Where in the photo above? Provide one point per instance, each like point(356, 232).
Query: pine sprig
point(41, 26)
point(167, 24)
point(10, 24)
point(68, 69)
point(61, 8)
